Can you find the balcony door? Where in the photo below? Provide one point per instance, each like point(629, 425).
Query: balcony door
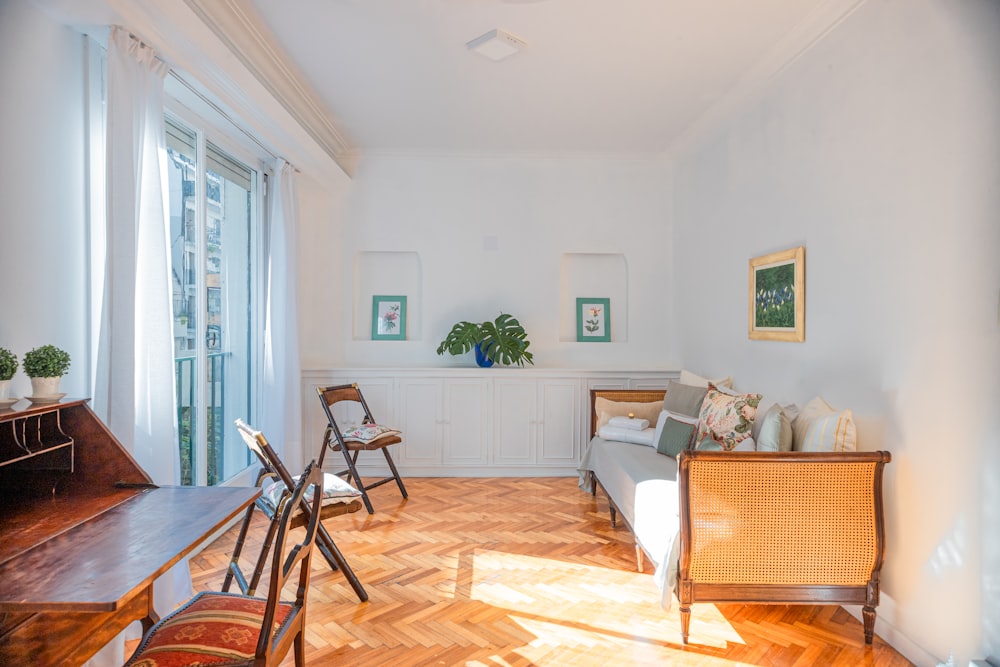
point(214, 227)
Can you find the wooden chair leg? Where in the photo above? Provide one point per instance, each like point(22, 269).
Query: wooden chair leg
point(353, 474)
point(265, 549)
point(300, 649)
point(330, 551)
point(685, 623)
point(237, 550)
point(395, 473)
point(868, 614)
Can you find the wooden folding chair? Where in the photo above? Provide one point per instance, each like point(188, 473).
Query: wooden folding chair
point(273, 469)
point(231, 629)
point(336, 440)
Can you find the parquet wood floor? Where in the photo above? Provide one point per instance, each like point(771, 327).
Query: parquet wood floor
point(519, 572)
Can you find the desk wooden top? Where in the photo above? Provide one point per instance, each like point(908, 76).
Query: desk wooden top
point(104, 562)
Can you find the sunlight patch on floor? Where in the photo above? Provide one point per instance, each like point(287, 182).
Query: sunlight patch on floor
point(578, 604)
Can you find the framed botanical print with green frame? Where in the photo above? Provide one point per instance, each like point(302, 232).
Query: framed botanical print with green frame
point(388, 317)
point(593, 320)
point(777, 296)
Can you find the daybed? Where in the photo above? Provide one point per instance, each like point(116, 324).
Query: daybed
point(731, 526)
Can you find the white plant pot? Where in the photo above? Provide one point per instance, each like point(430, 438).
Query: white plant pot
point(41, 387)
point(4, 389)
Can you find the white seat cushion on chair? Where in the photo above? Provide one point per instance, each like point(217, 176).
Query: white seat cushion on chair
point(335, 490)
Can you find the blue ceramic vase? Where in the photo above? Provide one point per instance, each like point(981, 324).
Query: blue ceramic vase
point(481, 358)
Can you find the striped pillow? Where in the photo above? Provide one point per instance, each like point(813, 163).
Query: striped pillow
point(822, 428)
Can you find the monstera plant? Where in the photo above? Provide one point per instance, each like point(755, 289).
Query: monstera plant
point(502, 341)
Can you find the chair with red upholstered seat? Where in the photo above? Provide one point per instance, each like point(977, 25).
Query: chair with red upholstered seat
point(230, 629)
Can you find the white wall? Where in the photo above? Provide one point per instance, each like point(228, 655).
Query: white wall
point(449, 210)
point(879, 150)
point(44, 247)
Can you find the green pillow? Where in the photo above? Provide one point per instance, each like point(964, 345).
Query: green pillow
point(674, 437)
point(709, 445)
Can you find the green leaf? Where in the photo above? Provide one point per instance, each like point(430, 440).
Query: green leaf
point(503, 340)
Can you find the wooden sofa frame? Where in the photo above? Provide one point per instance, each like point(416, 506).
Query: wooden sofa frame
point(775, 527)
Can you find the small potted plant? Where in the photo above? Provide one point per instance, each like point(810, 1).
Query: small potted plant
point(503, 341)
point(8, 366)
point(45, 366)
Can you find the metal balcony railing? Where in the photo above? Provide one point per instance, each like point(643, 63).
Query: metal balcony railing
point(215, 397)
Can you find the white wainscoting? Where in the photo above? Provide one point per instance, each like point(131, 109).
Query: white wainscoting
point(472, 422)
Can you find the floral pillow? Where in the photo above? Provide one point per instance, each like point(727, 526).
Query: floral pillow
point(727, 418)
point(366, 432)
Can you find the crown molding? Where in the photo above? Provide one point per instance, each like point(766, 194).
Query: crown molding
point(246, 36)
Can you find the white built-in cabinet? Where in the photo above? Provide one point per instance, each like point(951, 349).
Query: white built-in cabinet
point(459, 422)
point(539, 422)
point(445, 421)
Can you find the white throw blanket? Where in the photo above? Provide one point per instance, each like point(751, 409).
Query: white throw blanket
point(630, 423)
point(609, 432)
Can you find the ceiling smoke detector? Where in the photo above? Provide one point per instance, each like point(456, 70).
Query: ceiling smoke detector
point(496, 44)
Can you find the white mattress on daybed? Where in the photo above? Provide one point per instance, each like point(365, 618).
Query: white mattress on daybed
point(643, 484)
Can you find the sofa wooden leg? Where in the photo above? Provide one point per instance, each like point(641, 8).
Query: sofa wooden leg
point(868, 614)
point(614, 516)
point(685, 623)
point(638, 557)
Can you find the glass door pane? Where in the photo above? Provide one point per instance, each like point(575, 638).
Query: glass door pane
point(229, 214)
point(212, 222)
point(182, 171)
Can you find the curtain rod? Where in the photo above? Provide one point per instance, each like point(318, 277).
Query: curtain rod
point(181, 80)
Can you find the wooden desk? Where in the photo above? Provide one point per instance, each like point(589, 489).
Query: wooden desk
point(78, 554)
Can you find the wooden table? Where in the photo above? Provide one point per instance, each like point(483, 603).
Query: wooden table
point(84, 534)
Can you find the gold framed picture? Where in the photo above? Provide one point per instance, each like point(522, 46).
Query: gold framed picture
point(777, 303)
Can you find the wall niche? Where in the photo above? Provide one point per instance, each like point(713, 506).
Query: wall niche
point(387, 273)
point(593, 275)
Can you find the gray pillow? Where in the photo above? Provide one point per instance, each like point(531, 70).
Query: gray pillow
point(684, 399)
point(675, 437)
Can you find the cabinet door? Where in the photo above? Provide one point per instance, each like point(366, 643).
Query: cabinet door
point(515, 425)
point(559, 426)
point(466, 407)
point(419, 408)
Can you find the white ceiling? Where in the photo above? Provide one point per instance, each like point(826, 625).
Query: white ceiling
point(597, 76)
point(625, 77)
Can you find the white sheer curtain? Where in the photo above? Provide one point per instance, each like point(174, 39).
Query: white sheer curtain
point(281, 420)
point(134, 391)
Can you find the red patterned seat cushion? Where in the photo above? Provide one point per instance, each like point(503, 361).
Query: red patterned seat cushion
point(215, 629)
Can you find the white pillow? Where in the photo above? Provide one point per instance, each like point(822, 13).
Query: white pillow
point(606, 409)
point(335, 490)
point(622, 434)
point(822, 428)
point(687, 377)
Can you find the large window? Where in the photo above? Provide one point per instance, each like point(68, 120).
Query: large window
point(214, 232)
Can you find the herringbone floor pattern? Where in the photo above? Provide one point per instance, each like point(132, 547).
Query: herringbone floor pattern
point(519, 572)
